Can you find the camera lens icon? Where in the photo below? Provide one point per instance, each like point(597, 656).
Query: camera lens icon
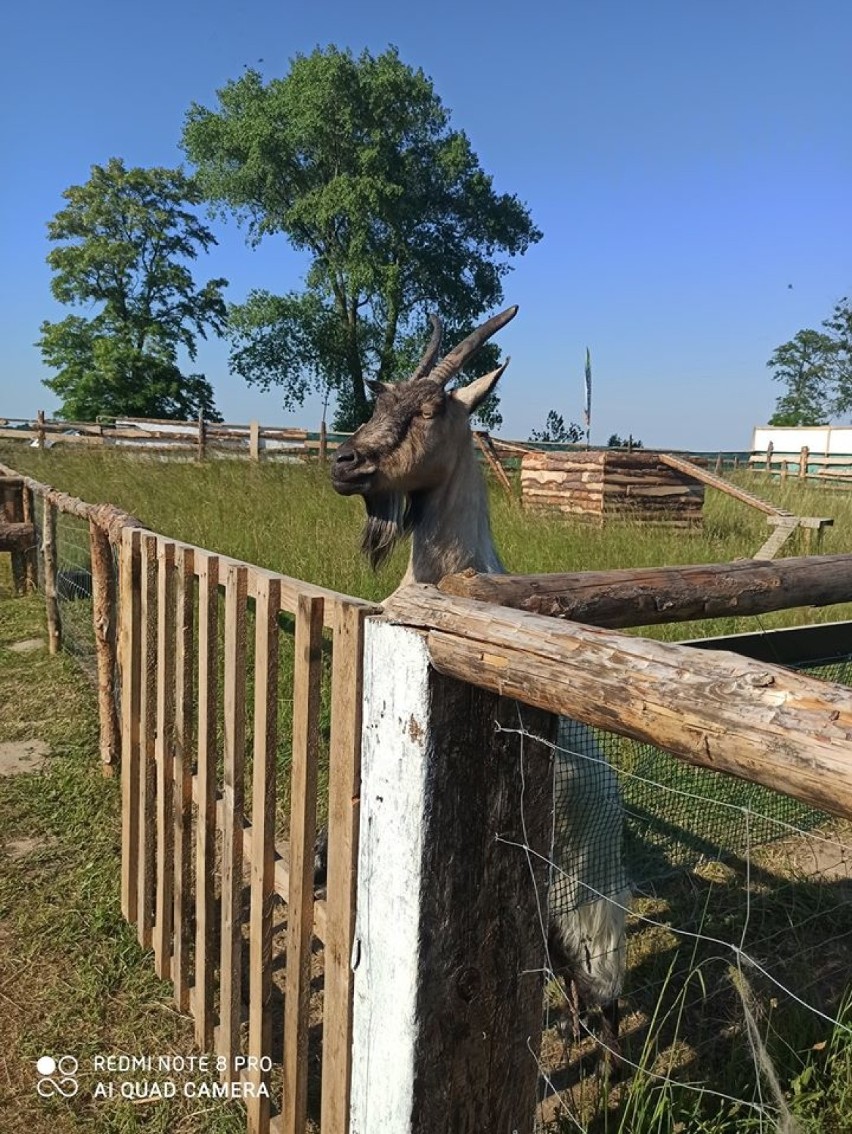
point(58, 1076)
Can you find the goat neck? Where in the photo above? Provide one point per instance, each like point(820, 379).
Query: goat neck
point(450, 527)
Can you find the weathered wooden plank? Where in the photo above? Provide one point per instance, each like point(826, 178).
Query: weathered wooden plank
point(262, 869)
point(207, 568)
point(536, 459)
point(184, 737)
point(131, 694)
point(783, 531)
point(721, 485)
point(164, 756)
point(49, 570)
point(344, 787)
point(303, 808)
point(760, 722)
point(104, 617)
point(147, 733)
point(16, 535)
point(31, 550)
point(233, 801)
point(647, 596)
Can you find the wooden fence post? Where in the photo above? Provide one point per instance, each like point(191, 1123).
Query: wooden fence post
point(450, 937)
point(12, 512)
point(49, 569)
point(254, 440)
point(40, 428)
point(201, 446)
point(31, 552)
point(770, 448)
point(104, 622)
point(323, 443)
point(803, 461)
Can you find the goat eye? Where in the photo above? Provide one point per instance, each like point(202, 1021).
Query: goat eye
point(432, 408)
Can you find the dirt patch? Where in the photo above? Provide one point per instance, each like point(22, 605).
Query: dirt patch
point(18, 756)
point(27, 646)
point(21, 848)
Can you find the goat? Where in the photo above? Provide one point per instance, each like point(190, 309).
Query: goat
point(414, 466)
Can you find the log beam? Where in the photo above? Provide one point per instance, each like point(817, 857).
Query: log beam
point(715, 710)
point(649, 596)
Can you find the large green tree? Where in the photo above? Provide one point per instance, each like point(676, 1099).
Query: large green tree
point(816, 369)
point(354, 161)
point(124, 243)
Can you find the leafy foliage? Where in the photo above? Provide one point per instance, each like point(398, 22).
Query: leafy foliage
point(354, 161)
point(124, 241)
point(555, 430)
point(617, 442)
point(816, 368)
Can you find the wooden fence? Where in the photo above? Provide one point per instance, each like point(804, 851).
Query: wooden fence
point(831, 469)
point(182, 828)
point(196, 439)
point(430, 924)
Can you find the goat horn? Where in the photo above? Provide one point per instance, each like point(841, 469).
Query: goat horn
point(459, 355)
point(430, 355)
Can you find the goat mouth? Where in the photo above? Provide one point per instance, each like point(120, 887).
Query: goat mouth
point(356, 483)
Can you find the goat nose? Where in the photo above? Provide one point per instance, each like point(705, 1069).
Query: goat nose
point(346, 455)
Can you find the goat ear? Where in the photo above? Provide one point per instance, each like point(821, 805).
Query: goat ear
point(376, 387)
point(473, 395)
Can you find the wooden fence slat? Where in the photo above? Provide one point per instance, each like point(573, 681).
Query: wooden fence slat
point(164, 755)
point(205, 828)
point(131, 692)
point(147, 728)
point(49, 568)
point(307, 682)
point(267, 606)
point(344, 786)
point(31, 563)
point(104, 622)
point(233, 800)
point(183, 738)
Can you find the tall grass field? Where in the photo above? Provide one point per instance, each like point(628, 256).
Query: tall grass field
point(286, 517)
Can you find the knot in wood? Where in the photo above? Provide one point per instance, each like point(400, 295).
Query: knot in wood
point(746, 681)
point(469, 983)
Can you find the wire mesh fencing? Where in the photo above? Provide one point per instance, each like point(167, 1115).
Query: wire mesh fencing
point(713, 990)
point(74, 586)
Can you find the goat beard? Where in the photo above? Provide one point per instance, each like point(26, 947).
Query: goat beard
point(388, 520)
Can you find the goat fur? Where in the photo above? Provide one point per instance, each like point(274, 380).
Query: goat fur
point(415, 466)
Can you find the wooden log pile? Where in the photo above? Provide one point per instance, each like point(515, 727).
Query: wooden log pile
point(601, 485)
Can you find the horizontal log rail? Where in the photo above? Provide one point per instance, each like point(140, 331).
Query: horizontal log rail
point(713, 709)
point(649, 596)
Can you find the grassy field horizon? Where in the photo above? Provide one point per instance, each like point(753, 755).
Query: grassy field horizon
point(287, 518)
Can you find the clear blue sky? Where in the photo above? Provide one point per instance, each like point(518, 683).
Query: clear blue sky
point(687, 161)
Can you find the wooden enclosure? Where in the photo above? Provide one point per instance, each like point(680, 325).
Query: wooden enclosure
point(600, 485)
point(197, 667)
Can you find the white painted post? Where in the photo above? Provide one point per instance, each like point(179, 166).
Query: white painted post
point(449, 942)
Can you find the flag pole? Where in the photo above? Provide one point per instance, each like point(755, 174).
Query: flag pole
point(587, 412)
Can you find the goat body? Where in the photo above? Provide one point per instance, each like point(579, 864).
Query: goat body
point(414, 465)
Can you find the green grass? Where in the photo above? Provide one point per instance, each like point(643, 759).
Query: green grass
point(73, 979)
point(287, 518)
